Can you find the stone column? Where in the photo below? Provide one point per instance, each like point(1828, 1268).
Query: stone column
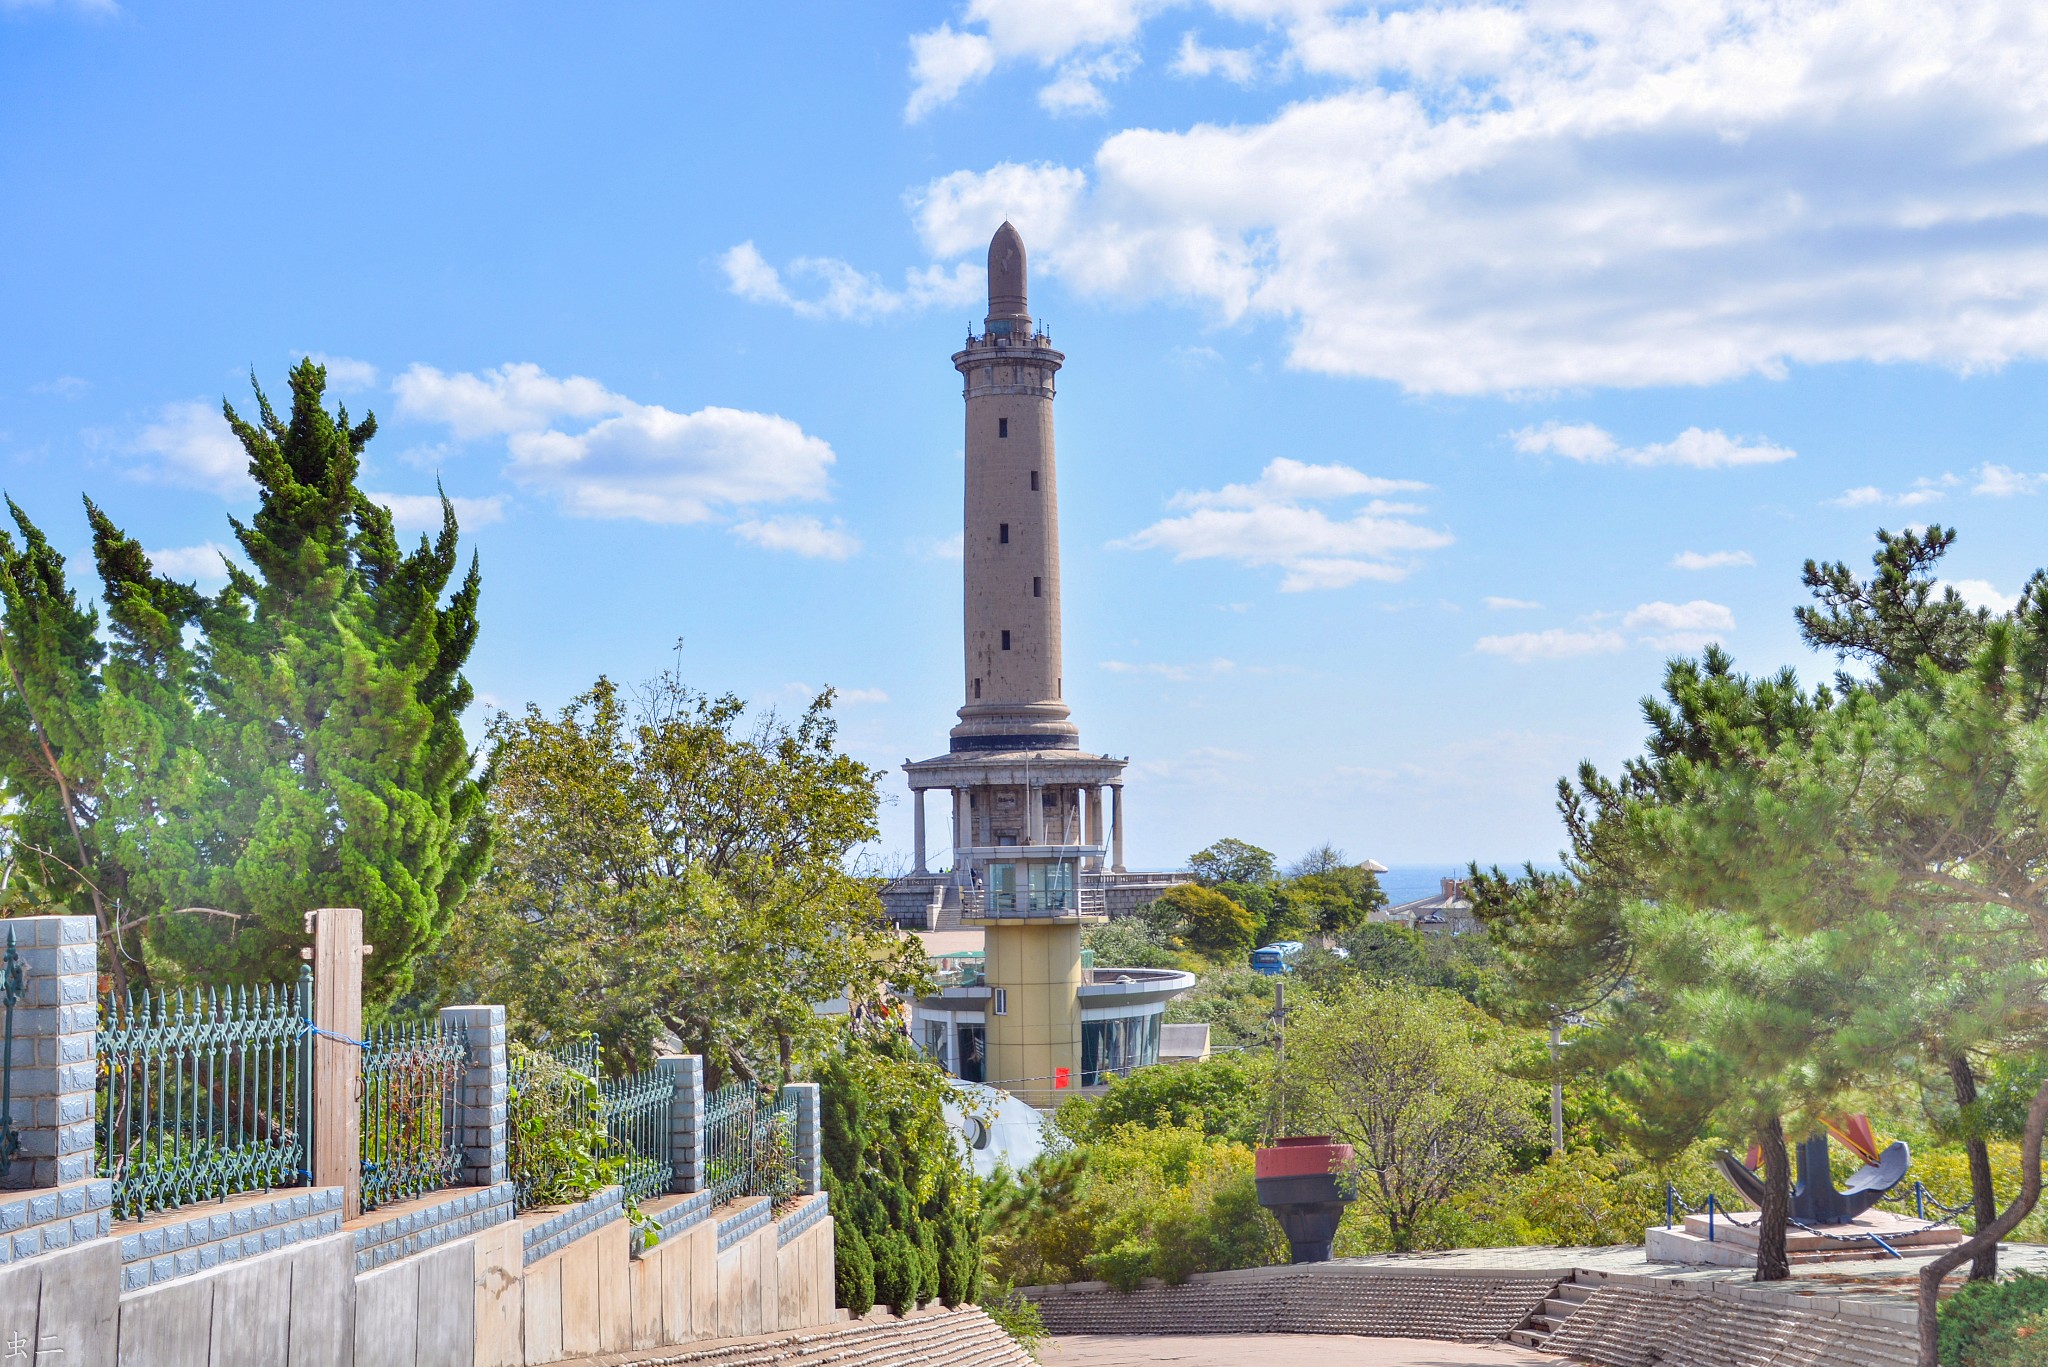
point(1116, 826)
point(1034, 814)
point(54, 1064)
point(1094, 832)
point(810, 1153)
point(480, 1097)
point(963, 835)
point(685, 1122)
point(917, 827)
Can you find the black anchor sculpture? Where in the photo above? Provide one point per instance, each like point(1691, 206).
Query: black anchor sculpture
point(1815, 1200)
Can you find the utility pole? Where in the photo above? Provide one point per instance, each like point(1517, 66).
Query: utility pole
point(1279, 1058)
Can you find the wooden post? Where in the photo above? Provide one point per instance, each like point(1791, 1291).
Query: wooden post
point(338, 1063)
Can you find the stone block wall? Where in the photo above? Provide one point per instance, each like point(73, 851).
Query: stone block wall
point(53, 1070)
point(1632, 1321)
point(1325, 1298)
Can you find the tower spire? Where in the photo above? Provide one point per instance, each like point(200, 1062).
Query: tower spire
point(1006, 272)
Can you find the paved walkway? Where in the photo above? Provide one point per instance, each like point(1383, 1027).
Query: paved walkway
point(1281, 1350)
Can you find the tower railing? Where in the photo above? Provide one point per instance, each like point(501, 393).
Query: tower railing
point(987, 903)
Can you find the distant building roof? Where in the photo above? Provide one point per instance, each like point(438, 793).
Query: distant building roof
point(1447, 909)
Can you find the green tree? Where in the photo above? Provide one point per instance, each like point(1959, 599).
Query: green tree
point(1231, 861)
point(1416, 1079)
point(224, 763)
point(1207, 922)
point(1225, 1096)
point(671, 869)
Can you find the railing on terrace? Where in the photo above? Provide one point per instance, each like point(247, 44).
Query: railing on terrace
point(1082, 901)
point(636, 1120)
point(750, 1144)
point(204, 1094)
point(411, 1144)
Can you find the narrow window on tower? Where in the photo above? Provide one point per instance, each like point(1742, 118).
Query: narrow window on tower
point(1034, 481)
point(977, 690)
point(1006, 640)
point(1002, 427)
point(1003, 533)
point(1035, 588)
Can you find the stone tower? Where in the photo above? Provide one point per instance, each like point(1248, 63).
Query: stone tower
point(1033, 858)
point(1011, 547)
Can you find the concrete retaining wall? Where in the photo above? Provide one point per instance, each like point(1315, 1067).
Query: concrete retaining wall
point(469, 1301)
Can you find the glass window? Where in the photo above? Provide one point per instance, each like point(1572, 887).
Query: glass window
point(973, 1053)
point(935, 1033)
point(1002, 887)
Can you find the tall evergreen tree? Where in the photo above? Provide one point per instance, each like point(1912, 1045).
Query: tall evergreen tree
point(225, 763)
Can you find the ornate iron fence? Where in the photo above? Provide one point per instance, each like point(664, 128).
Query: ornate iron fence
point(636, 1119)
point(411, 1144)
point(204, 1094)
point(750, 1144)
point(13, 986)
point(549, 1096)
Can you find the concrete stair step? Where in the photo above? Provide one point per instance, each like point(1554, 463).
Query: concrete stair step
point(1528, 1338)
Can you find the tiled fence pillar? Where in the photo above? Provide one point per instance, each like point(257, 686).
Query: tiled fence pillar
point(480, 1099)
point(810, 1159)
point(686, 1122)
point(53, 1072)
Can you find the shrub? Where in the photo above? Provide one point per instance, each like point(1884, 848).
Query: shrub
point(1996, 1324)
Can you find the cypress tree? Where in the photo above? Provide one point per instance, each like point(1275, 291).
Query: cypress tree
point(222, 764)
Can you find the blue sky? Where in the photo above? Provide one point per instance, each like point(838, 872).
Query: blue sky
point(1432, 374)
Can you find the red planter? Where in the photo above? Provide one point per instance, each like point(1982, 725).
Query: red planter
point(1305, 1183)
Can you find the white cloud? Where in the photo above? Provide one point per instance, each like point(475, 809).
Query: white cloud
point(859, 697)
point(1982, 593)
point(944, 62)
point(2002, 481)
point(1285, 480)
point(1711, 560)
point(1924, 491)
point(1177, 673)
point(1510, 604)
point(1073, 35)
point(1196, 60)
point(520, 397)
point(1679, 626)
point(1693, 447)
point(1659, 626)
point(199, 564)
point(1477, 198)
point(1077, 89)
point(64, 386)
point(1555, 644)
point(96, 7)
point(638, 460)
point(192, 444)
point(1267, 523)
point(422, 512)
point(660, 466)
point(344, 372)
point(805, 536)
point(845, 292)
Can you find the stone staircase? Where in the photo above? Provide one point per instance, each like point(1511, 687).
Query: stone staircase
point(1549, 1317)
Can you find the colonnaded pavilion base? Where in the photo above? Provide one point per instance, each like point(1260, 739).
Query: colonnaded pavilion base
point(1729, 1239)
